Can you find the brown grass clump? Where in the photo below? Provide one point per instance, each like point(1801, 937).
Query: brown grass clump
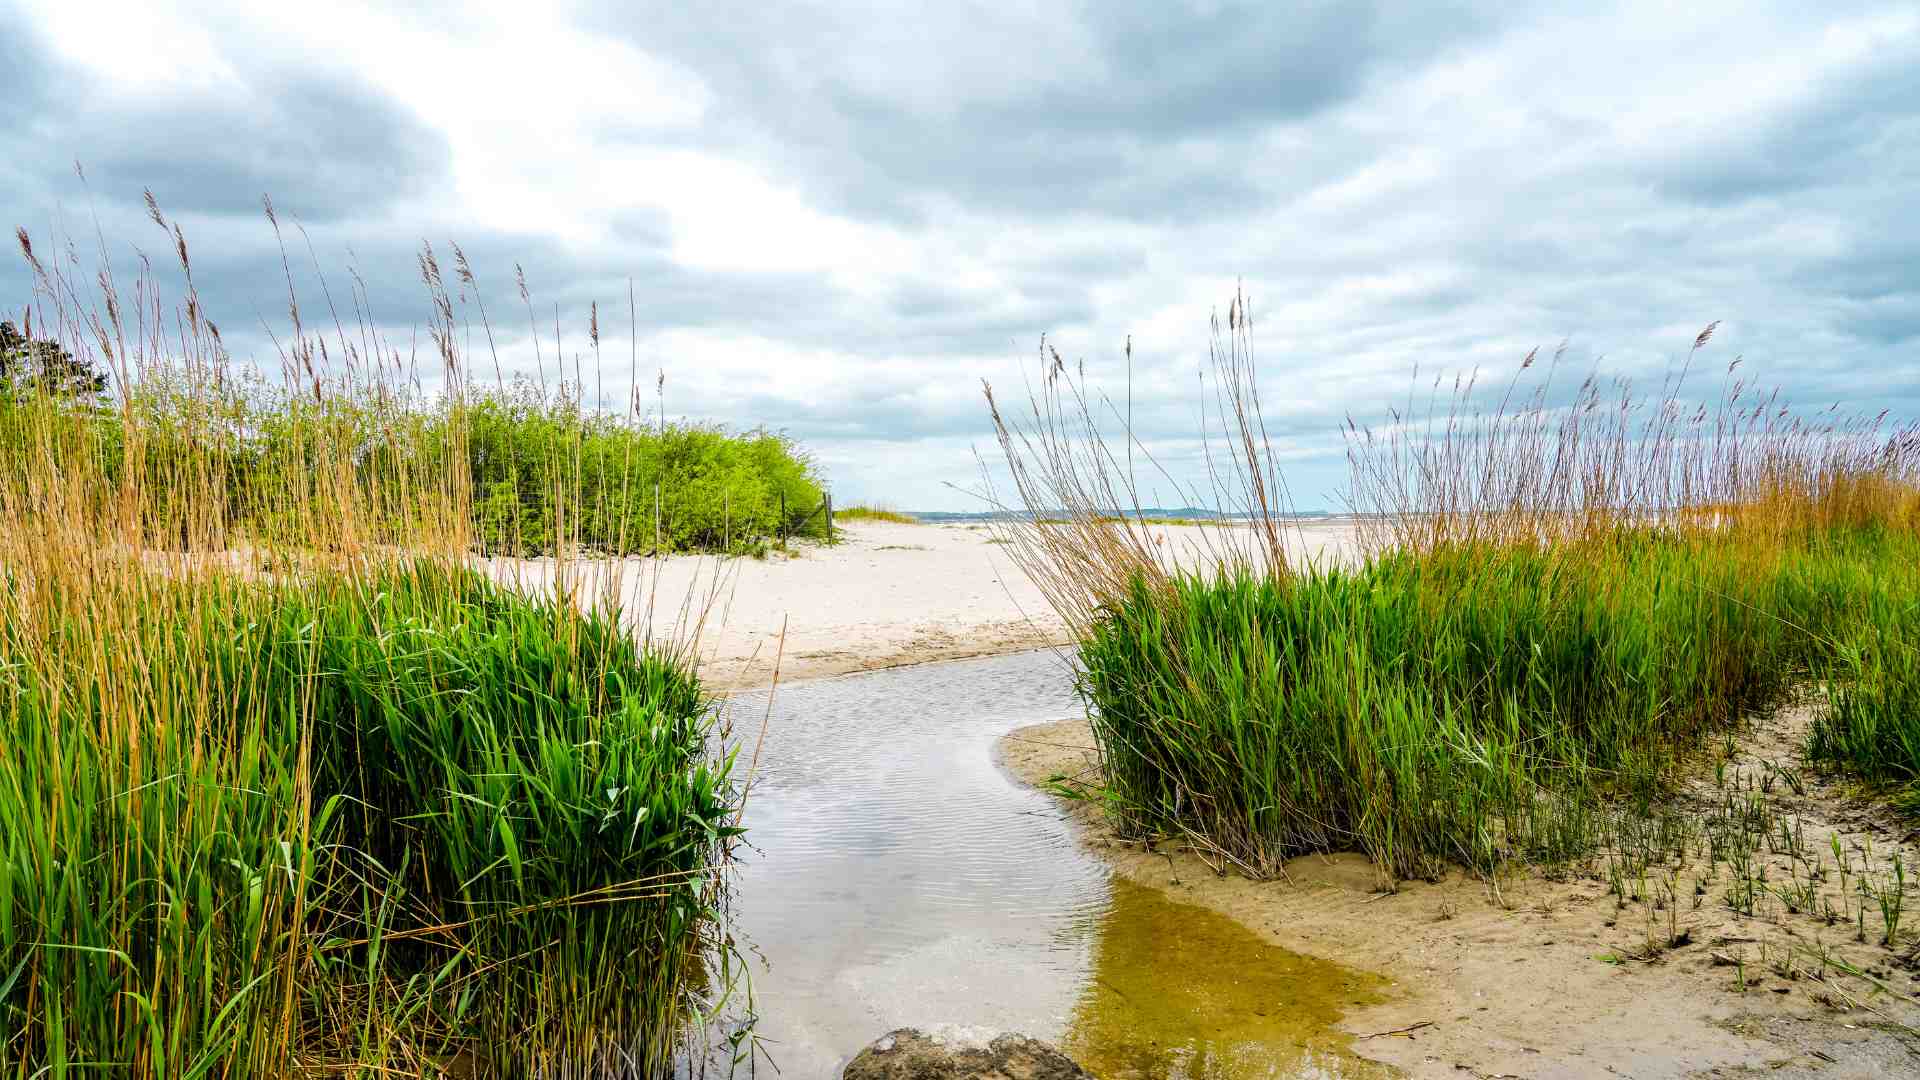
point(1075, 521)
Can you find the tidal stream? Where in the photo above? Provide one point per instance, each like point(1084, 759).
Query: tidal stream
point(897, 876)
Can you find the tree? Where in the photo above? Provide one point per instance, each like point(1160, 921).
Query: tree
point(29, 365)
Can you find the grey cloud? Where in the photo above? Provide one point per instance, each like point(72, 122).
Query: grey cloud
point(326, 150)
point(325, 146)
point(1144, 125)
point(1860, 128)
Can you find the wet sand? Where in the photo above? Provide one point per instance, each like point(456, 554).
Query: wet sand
point(1535, 977)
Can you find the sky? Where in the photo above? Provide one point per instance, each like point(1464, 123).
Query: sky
point(837, 219)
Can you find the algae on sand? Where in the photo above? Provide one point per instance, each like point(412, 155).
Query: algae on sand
point(1184, 993)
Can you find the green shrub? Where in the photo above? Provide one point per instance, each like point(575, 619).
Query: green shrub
point(539, 469)
point(676, 487)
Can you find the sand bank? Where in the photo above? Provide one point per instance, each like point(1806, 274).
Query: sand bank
point(1536, 978)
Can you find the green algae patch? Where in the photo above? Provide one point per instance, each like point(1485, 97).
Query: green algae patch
point(1183, 993)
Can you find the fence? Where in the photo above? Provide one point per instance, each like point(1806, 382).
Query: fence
point(791, 526)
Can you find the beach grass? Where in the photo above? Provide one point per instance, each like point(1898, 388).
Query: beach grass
point(874, 513)
point(286, 785)
point(1871, 728)
point(1468, 706)
point(636, 488)
point(1560, 599)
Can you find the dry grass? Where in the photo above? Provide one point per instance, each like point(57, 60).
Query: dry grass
point(1075, 520)
point(1541, 467)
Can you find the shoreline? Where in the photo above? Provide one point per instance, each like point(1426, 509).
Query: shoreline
point(1521, 977)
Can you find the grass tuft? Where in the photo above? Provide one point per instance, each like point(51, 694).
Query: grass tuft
point(286, 786)
point(874, 513)
point(1557, 599)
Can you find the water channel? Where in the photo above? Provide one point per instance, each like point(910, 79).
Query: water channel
point(897, 876)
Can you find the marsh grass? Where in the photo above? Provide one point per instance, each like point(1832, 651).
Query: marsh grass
point(636, 488)
point(1872, 727)
point(286, 786)
point(1559, 598)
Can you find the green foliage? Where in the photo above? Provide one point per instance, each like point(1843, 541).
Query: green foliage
point(31, 365)
point(1470, 705)
point(1872, 727)
point(377, 823)
point(540, 469)
point(674, 487)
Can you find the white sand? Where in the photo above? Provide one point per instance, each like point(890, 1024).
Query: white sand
point(886, 595)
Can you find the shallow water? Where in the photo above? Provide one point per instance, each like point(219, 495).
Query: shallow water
point(898, 877)
point(1177, 992)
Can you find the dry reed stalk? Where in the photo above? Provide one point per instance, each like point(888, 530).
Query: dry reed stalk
point(1074, 522)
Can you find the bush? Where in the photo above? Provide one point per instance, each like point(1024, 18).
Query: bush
point(674, 487)
point(540, 471)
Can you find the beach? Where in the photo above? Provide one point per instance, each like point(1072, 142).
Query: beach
point(1554, 974)
point(884, 595)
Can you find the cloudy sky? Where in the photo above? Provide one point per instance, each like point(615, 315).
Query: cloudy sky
point(838, 218)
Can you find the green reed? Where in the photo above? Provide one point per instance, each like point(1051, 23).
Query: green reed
point(1556, 596)
point(1465, 705)
point(390, 822)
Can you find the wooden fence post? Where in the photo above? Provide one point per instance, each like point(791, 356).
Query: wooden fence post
point(829, 517)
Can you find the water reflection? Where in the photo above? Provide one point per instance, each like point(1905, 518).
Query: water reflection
point(897, 877)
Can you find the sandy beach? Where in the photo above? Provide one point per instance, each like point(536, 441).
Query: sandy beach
point(1534, 976)
point(885, 595)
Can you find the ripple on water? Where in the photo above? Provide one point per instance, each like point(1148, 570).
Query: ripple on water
point(898, 877)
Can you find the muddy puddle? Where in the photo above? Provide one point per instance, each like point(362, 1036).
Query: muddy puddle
point(898, 877)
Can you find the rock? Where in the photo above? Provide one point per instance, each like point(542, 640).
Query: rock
point(957, 1053)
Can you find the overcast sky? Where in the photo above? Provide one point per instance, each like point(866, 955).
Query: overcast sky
point(838, 218)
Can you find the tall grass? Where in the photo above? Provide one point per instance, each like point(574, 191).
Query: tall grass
point(284, 785)
point(1465, 706)
point(1555, 599)
point(543, 469)
point(1872, 728)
